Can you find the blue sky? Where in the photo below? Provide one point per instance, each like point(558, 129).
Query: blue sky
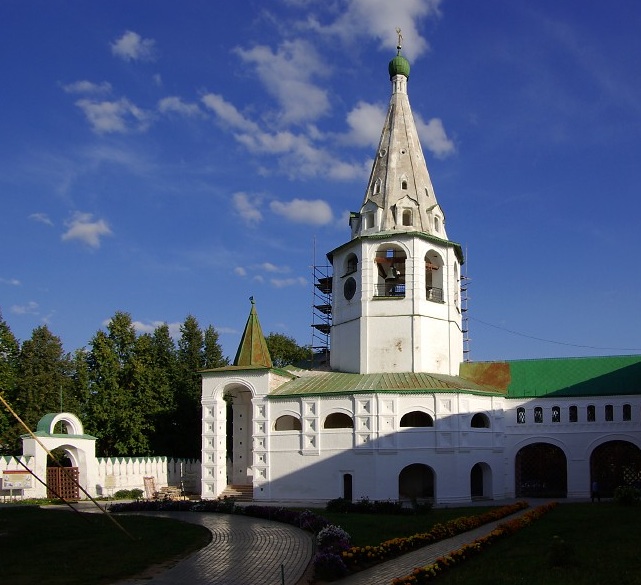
point(169, 158)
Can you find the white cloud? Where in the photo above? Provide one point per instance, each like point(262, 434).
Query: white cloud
point(176, 105)
point(89, 87)
point(247, 208)
point(434, 138)
point(151, 326)
point(299, 156)
point(227, 113)
point(31, 308)
point(132, 47)
point(240, 271)
point(269, 267)
point(379, 18)
point(286, 74)
point(227, 330)
point(82, 227)
point(365, 122)
point(41, 218)
point(115, 116)
point(314, 212)
point(283, 282)
point(11, 281)
point(157, 79)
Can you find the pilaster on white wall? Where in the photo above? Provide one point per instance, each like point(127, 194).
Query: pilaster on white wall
point(310, 437)
point(261, 446)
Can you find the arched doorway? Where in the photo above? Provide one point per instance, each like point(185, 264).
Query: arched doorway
point(63, 475)
point(541, 471)
point(347, 487)
point(238, 407)
point(481, 482)
point(614, 464)
point(416, 482)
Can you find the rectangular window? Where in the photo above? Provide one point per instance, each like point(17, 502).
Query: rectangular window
point(609, 412)
point(538, 414)
point(573, 413)
point(556, 414)
point(520, 415)
point(591, 413)
point(627, 412)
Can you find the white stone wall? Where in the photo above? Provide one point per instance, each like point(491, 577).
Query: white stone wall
point(108, 475)
point(310, 464)
point(577, 439)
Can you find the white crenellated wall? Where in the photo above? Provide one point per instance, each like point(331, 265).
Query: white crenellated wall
point(113, 474)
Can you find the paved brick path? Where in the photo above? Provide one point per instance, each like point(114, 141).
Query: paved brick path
point(243, 551)
point(250, 551)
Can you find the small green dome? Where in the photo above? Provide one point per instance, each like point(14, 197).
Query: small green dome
point(399, 65)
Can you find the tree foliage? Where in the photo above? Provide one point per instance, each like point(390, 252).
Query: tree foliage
point(284, 350)
point(9, 353)
point(44, 383)
point(138, 394)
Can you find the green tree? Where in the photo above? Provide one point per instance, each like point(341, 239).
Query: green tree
point(106, 403)
point(213, 352)
point(44, 382)
point(9, 353)
point(188, 390)
point(121, 401)
point(284, 350)
point(164, 373)
point(80, 380)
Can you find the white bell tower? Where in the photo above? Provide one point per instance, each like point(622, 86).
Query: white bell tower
point(396, 284)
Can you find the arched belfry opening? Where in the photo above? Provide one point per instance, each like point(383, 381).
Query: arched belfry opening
point(434, 277)
point(390, 271)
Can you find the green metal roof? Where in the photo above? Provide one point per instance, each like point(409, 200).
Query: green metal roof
point(588, 376)
point(280, 371)
point(45, 434)
point(332, 383)
point(592, 376)
point(252, 350)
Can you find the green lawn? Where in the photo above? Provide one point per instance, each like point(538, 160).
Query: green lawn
point(58, 547)
point(574, 544)
point(592, 544)
point(372, 529)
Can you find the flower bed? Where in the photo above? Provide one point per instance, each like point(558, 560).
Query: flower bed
point(426, 574)
point(306, 519)
point(358, 557)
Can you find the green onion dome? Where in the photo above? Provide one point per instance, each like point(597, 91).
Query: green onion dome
point(399, 65)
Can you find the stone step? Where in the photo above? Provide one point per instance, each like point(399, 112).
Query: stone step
point(242, 493)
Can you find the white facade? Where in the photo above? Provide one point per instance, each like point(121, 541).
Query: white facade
point(399, 415)
point(310, 462)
